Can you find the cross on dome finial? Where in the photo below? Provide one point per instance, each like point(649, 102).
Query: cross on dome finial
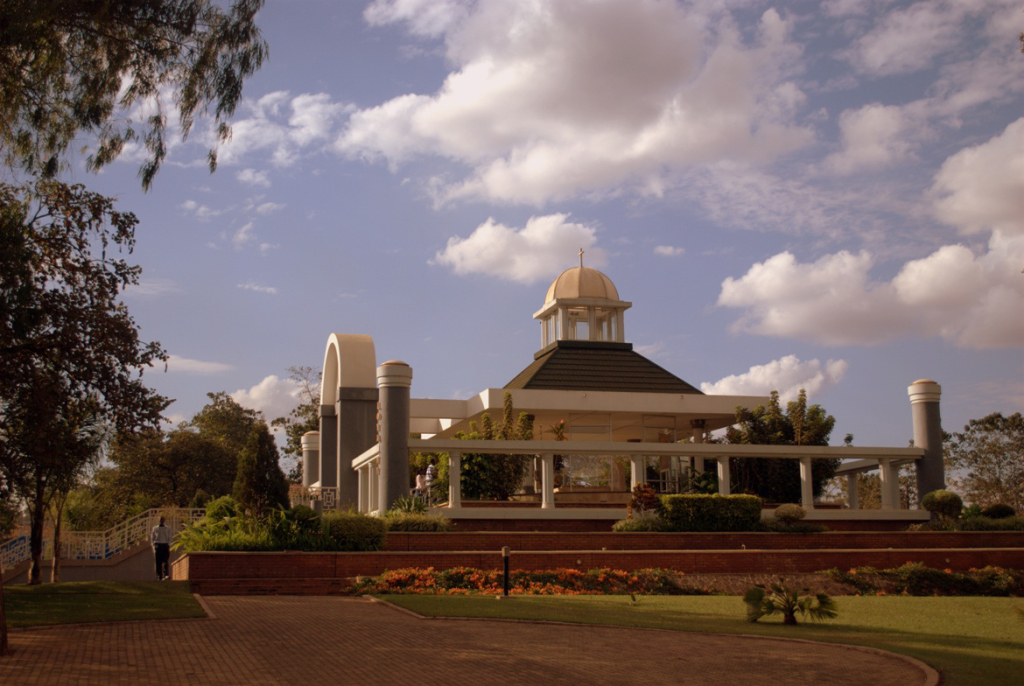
point(581, 258)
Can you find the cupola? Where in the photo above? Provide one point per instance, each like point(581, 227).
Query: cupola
point(582, 304)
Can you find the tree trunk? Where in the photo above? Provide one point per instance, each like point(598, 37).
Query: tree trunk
point(35, 576)
point(55, 572)
point(789, 618)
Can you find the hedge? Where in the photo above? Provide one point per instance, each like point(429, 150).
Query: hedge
point(354, 532)
point(699, 512)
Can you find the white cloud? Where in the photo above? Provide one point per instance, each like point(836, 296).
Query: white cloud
point(273, 396)
point(250, 286)
point(282, 125)
point(243, 236)
point(954, 294)
point(424, 17)
point(669, 251)
point(906, 40)
point(543, 248)
point(185, 365)
point(201, 212)
point(982, 188)
point(787, 375)
point(269, 208)
point(256, 178)
point(873, 136)
point(550, 100)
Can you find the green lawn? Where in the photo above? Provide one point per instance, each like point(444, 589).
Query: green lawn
point(972, 641)
point(98, 601)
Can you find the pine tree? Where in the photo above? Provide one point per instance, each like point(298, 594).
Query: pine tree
point(260, 484)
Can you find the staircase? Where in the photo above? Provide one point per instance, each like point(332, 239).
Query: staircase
point(89, 555)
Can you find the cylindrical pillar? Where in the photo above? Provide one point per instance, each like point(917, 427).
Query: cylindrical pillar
point(310, 458)
point(806, 484)
point(328, 447)
point(723, 476)
point(394, 379)
point(924, 405)
point(547, 479)
point(454, 479)
point(852, 500)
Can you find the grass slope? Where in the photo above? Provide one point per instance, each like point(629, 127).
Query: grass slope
point(98, 601)
point(972, 641)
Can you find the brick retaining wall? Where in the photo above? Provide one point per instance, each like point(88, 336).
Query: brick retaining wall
point(520, 540)
point(215, 573)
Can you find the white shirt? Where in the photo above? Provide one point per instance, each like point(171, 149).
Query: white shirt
point(161, 534)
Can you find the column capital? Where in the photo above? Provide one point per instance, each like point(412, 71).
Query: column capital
point(924, 391)
point(394, 373)
point(311, 440)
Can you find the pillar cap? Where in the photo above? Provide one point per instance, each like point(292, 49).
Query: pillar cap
point(311, 440)
point(924, 391)
point(394, 373)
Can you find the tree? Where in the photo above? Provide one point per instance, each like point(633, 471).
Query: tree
point(986, 460)
point(497, 477)
point(73, 68)
point(778, 480)
point(260, 484)
point(225, 421)
point(68, 347)
point(304, 418)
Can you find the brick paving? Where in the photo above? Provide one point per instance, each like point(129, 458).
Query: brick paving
point(292, 640)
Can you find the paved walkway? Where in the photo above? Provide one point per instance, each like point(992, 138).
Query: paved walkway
point(290, 640)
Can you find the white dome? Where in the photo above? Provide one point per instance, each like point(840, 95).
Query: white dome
point(582, 282)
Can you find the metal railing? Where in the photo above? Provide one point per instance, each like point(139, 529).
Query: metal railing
point(307, 495)
point(100, 545)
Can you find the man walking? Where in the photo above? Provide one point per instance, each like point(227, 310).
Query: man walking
point(161, 540)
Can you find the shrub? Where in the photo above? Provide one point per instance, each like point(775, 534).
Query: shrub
point(1014, 523)
point(464, 580)
point(645, 500)
point(943, 503)
point(914, 578)
point(648, 522)
point(789, 514)
point(778, 597)
point(222, 508)
point(411, 521)
point(407, 504)
point(353, 532)
point(693, 512)
point(998, 511)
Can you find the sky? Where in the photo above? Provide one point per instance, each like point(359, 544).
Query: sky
point(821, 195)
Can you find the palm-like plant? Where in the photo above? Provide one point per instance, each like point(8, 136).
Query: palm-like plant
point(779, 598)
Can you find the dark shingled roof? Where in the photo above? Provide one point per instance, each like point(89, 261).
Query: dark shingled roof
point(597, 366)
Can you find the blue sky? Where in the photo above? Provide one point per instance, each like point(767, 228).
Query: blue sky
point(821, 195)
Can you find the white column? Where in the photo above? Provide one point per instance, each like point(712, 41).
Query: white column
point(806, 484)
point(620, 335)
point(887, 475)
point(851, 491)
point(374, 487)
point(543, 333)
point(637, 471)
point(723, 476)
point(364, 488)
point(454, 479)
point(593, 333)
point(563, 324)
point(547, 481)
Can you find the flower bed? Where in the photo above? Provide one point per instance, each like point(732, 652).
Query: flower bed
point(914, 578)
point(466, 580)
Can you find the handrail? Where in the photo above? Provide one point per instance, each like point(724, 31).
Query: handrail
point(101, 545)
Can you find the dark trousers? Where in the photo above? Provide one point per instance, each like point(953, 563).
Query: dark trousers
point(162, 551)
